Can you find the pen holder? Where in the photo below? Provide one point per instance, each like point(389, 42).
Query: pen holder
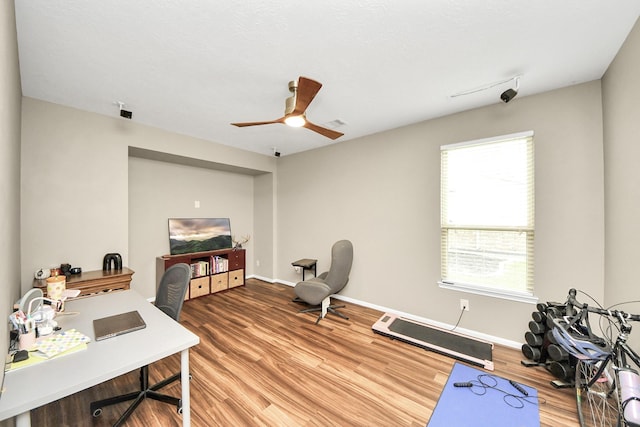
point(27, 341)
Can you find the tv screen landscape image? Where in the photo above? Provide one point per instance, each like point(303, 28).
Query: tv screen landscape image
point(189, 235)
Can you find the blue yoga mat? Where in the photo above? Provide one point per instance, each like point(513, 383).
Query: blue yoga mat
point(492, 401)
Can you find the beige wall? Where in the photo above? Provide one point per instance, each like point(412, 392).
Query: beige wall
point(74, 188)
point(621, 93)
point(75, 203)
point(383, 193)
point(263, 234)
point(10, 101)
point(10, 115)
point(161, 190)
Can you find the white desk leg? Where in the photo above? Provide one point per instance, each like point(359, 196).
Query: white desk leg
point(186, 401)
point(24, 419)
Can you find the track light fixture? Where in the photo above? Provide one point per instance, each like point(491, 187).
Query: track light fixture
point(124, 113)
point(509, 94)
point(505, 96)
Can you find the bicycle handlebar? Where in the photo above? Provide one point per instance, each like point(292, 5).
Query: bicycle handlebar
point(571, 300)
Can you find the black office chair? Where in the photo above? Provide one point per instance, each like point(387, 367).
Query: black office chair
point(169, 298)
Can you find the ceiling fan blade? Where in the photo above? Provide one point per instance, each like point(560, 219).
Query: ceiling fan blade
point(245, 124)
point(329, 133)
point(307, 90)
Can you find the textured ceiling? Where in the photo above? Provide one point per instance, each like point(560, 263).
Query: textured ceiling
point(195, 66)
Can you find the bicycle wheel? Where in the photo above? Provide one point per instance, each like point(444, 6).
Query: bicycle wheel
point(597, 398)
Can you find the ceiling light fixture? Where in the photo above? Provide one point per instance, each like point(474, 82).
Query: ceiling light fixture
point(295, 121)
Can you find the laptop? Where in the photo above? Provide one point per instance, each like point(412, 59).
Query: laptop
point(119, 324)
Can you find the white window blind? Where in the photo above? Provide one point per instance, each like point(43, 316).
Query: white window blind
point(487, 214)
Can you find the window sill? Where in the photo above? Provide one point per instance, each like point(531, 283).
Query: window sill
point(494, 293)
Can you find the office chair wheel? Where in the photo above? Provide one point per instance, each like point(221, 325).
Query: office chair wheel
point(180, 407)
point(97, 412)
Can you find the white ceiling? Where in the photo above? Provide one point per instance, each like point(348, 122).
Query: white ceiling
point(195, 66)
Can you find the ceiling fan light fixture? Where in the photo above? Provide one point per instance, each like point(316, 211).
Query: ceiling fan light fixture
point(295, 121)
point(304, 90)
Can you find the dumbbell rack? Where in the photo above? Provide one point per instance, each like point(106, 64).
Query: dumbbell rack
point(541, 348)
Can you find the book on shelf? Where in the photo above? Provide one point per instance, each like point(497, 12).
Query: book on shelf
point(199, 269)
point(220, 264)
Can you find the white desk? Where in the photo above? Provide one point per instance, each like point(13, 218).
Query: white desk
point(102, 360)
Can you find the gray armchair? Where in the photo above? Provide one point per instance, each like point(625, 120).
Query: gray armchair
point(318, 290)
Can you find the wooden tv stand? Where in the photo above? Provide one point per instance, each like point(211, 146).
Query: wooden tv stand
point(211, 271)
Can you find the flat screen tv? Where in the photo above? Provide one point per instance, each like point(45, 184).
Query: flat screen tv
point(189, 235)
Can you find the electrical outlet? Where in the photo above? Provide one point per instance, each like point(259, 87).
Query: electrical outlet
point(257, 263)
point(464, 304)
point(297, 269)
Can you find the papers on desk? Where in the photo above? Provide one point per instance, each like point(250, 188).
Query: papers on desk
point(56, 345)
point(70, 293)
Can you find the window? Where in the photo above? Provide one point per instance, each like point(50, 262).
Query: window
point(487, 216)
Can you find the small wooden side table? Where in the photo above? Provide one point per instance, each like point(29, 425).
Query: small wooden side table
point(306, 264)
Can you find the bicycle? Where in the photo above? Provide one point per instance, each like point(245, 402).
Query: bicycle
point(607, 386)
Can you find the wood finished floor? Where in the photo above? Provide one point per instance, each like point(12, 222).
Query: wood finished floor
point(261, 363)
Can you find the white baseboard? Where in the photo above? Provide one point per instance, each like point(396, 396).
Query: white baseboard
point(264, 279)
point(469, 332)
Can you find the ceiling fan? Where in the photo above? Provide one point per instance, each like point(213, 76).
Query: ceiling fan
point(304, 90)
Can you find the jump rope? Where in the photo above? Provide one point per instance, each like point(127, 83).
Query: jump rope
point(485, 382)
